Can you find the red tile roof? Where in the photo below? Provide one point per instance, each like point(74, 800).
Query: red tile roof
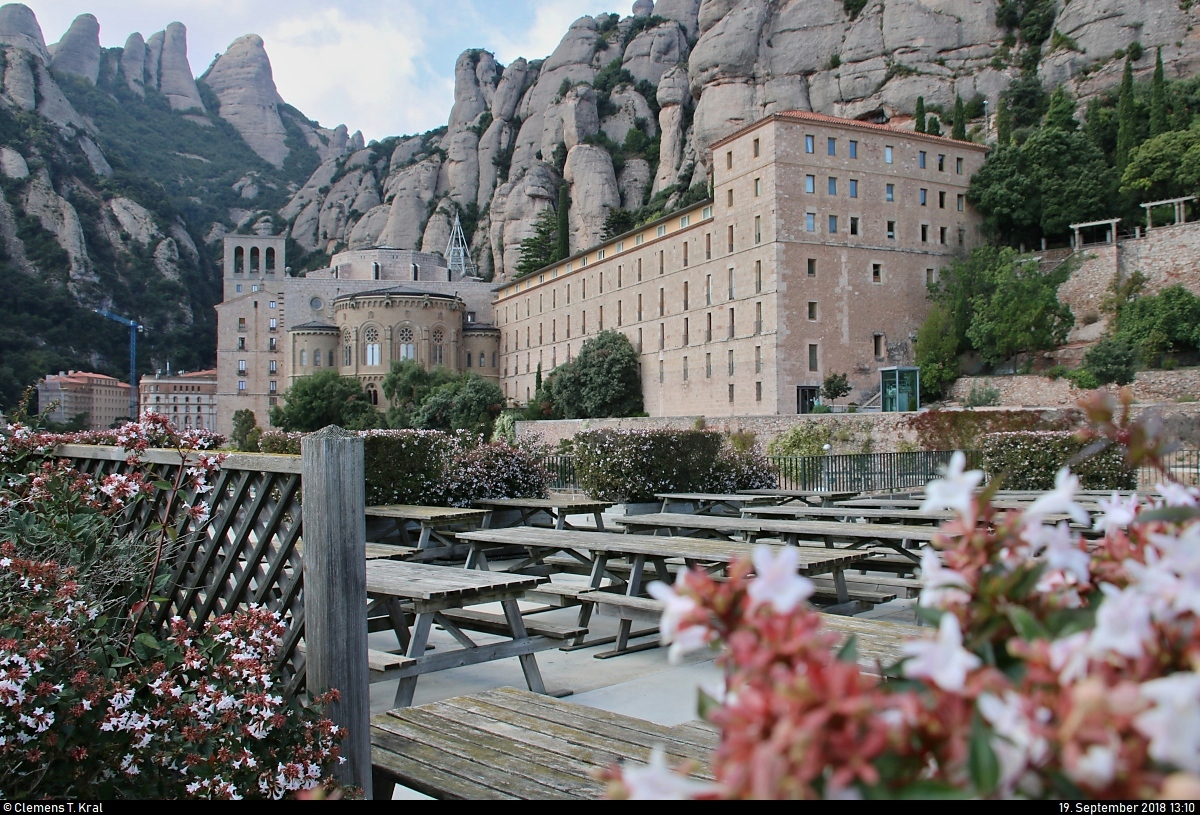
point(821, 118)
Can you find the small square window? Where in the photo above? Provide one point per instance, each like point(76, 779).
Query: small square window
point(810, 183)
point(942, 200)
point(833, 224)
point(854, 188)
point(812, 267)
point(757, 391)
point(729, 160)
point(958, 166)
point(812, 310)
point(731, 394)
point(880, 347)
point(876, 272)
point(961, 200)
point(729, 198)
point(757, 187)
point(921, 159)
point(924, 233)
point(812, 358)
point(890, 193)
point(810, 221)
point(831, 146)
point(757, 149)
point(810, 144)
point(887, 155)
point(941, 164)
point(930, 277)
point(891, 230)
point(942, 235)
point(853, 149)
point(833, 186)
point(853, 225)
point(924, 196)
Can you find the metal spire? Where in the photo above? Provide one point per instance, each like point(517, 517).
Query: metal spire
point(458, 254)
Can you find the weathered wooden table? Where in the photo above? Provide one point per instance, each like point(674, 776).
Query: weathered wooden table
point(433, 522)
point(822, 498)
point(802, 511)
point(557, 509)
point(510, 744)
point(712, 504)
point(404, 590)
point(596, 550)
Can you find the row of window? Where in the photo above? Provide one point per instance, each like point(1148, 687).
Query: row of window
point(856, 229)
point(256, 258)
point(831, 149)
point(889, 192)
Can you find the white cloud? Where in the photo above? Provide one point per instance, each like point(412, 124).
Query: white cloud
point(550, 21)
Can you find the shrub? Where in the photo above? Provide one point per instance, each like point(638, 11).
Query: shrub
point(1031, 460)
point(1110, 361)
point(630, 466)
point(806, 439)
point(279, 443)
point(1083, 379)
point(985, 396)
point(963, 429)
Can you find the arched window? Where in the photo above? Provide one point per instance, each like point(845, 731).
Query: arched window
point(239, 260)
point(374, 351)
point(348, 343)
point(373, 395)
point(317, 358)
point(254, 260)
point(482, 358)
point(303, 359)
point(438, 353)
point(405, 339)
point(270, 260)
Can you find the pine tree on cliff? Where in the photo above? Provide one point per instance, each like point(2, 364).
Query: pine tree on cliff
point(920, 115)
point(934, 127)
point(1003, 124)
point(958, 127)
point(1158, 99)
point(564, 224)
point(1126, 118)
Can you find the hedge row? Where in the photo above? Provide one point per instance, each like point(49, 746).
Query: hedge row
point(1031, 460)
point(432, 468)
point(631, 466)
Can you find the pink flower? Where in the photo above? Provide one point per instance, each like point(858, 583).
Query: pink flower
point(942, 587)
point(656, 782)
point(1118, 512)
point(1173, 725)
point(956, 491)
point(777, 580)
point(943, 661)
point(676, 608)
point(1060, 500)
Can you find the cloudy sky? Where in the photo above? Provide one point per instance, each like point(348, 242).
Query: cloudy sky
point(385, 67)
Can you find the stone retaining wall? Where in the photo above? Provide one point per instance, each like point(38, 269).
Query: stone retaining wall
point(1149, 387)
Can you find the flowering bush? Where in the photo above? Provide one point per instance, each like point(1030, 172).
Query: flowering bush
point(961, 429)
point(1059, 669)
point(629, 466)
point(1030, 460)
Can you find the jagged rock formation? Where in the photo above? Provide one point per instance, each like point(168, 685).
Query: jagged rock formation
point(78, 52)
point(242, 79)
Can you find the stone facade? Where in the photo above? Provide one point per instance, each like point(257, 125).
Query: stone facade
point(812, 258)
point(103, 399)
point(188, 400)
point(1149, 387)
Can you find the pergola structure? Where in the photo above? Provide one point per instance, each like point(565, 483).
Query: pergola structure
point(1110, 234)
point(1180, 205)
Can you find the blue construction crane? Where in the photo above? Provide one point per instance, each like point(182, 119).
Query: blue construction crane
point(134, 328)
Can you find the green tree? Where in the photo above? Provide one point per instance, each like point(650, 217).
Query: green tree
point(1003, 123)
point(919, 115)
point(1158, 98)
point(958, 128)
point(325, 399)
point(1160, 324)
point(602, 381)
point(563, 230)
point(244, 425)
point(540, 249)
point(1061, 113)
point(407, 386)
point(835, 387)
point(937, 352)
point(1110, 361)
point(1022, 313)
point(469, 403)
point(1126, 118)
point(1166, 166)
point(934, 127)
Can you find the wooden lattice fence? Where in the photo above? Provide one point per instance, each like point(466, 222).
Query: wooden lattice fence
point(247, 553)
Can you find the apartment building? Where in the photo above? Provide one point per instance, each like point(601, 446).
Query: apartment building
point(102, 399)
point(189, 400)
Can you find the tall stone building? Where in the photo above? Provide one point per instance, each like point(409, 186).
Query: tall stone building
point(813, 257)
point(189, 400)
point(102, 399)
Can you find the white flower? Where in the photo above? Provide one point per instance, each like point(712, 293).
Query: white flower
point(956, 491)
point(1173, 725)
point(1062, 550)
point(943, 661)
point(942, 587)
point(1177, 495)
point(1060, 500)
point(1069, 657)
point(675, 608)
point(1015, 744)
point(1096, 768)
point(656, 782)
point(1122, 624)
point(1118, 512)
point(777, 580)
point(5, 562)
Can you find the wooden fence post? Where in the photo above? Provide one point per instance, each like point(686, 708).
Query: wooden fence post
point(335, 589)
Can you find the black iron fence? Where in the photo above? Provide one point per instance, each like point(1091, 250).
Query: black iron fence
point(562, 473)
point(1183, 466)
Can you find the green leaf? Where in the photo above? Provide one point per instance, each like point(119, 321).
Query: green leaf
point(982, 761)
point(705, 704)
point(164, 485)
point(1066, 622)
point(148, 641)
point(932, 791)
point(849, 650)
point(121, 662)
point(929, 616)
point(1170, 515)
point(1026, 624)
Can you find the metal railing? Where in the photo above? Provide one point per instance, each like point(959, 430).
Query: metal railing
point(1183, 465)
point(561, 470)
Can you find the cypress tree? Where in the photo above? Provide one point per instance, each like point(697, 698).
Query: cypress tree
point(564, 224)
point(1003, 123)
point(1158, 99)
point(958, 128)
point(1126, 118)
point(1061, 113)
point(934, 127)
point(920, 114)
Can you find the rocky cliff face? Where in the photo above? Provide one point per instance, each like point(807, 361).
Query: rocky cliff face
point(708, 67)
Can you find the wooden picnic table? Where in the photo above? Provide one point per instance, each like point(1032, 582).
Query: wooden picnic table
point(377, 551)
point(559, 509)
point(712, 503)
point(511, 744)
point(433, 522)
point(812, 497)
point(916, 503)
point(800, 511)
point(405, 591)
point(892, 536)
point(596, 549)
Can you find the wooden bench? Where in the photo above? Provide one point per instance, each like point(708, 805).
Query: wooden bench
point(510, 744)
